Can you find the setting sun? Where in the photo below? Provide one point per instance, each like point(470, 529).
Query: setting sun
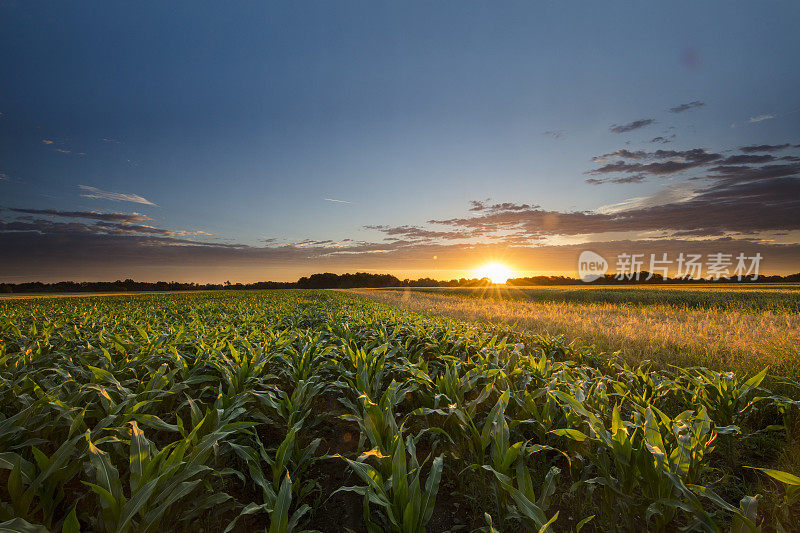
point(496, 272)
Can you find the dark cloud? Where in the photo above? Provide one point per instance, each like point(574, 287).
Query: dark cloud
point(102, 227)
point(417, 233)
point(747, 159)
point(635, 125)
point(764, 148)
point(685, 107)
point(636, 178)
point(93, 215)
point(666, 162)
point(641, 164)
point(622, 153)
point(663, 140)
point(695, 155)
point(506, 206)
point(734, 206)
point(748, 173)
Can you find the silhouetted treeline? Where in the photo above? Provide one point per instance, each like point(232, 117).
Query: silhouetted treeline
point(363, 279)
point(348, 281)
point(129, 285)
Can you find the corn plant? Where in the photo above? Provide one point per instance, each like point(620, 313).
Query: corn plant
point(407, 506)
point(377, 422)
point(36, 489)
point(278, 489)
point(723, 394)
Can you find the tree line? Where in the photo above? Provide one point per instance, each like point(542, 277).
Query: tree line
point(347, 281)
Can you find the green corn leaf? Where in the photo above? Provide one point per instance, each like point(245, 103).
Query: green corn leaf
point(71, 524)
point(139, 455)
point(279, 518)
point(783, 477)
point(18, 525)
point(573, 434)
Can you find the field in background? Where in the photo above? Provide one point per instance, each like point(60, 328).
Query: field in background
point(293, 409)
point(778, 297)
point(741, 328)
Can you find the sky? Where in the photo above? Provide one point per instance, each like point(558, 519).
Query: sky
point(246, 141)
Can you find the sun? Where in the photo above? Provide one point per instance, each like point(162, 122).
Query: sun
point(497, 272)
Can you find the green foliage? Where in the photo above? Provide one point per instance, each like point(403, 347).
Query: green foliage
point(192, 412)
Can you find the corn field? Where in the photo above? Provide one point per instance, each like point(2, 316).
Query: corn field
point(307, 410)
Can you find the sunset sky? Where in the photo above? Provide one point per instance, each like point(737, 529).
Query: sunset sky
point(255, 141)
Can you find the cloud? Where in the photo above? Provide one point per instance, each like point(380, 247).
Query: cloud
point(636, 178)
point(47, 141)
point(635, 125)
point(764, 148)
point(107, 224)
point(476, 205)
point(740, 159)
point(662, 140)
point(679, 192)
point(124, 218)
point(760, 118)
point(744, 206)
point(337, 201)
point(556, 134)
point(658, 163)
point(635, 166)
point(622, 153)
point(739, 173)
point(416, 233)
point(93, 192)
point(685, 107)
point(107, 140)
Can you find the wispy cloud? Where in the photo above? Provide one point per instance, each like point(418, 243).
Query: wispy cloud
point(108, 140)
point(635, 125)
point(760, 118)
point(765, 147)
point(337, 201)
point(685, 107)
point(555, 134)
point(47, 141)
point(662, 140)
point(94, 192)
point(124, 218)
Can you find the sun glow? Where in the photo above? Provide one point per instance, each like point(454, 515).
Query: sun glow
point(496, 272)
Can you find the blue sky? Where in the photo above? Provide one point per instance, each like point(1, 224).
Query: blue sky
point(239, 121)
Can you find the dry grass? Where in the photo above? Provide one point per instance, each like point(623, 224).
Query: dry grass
point(742, 341)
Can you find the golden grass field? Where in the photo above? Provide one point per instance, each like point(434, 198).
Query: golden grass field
point(727, 328)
